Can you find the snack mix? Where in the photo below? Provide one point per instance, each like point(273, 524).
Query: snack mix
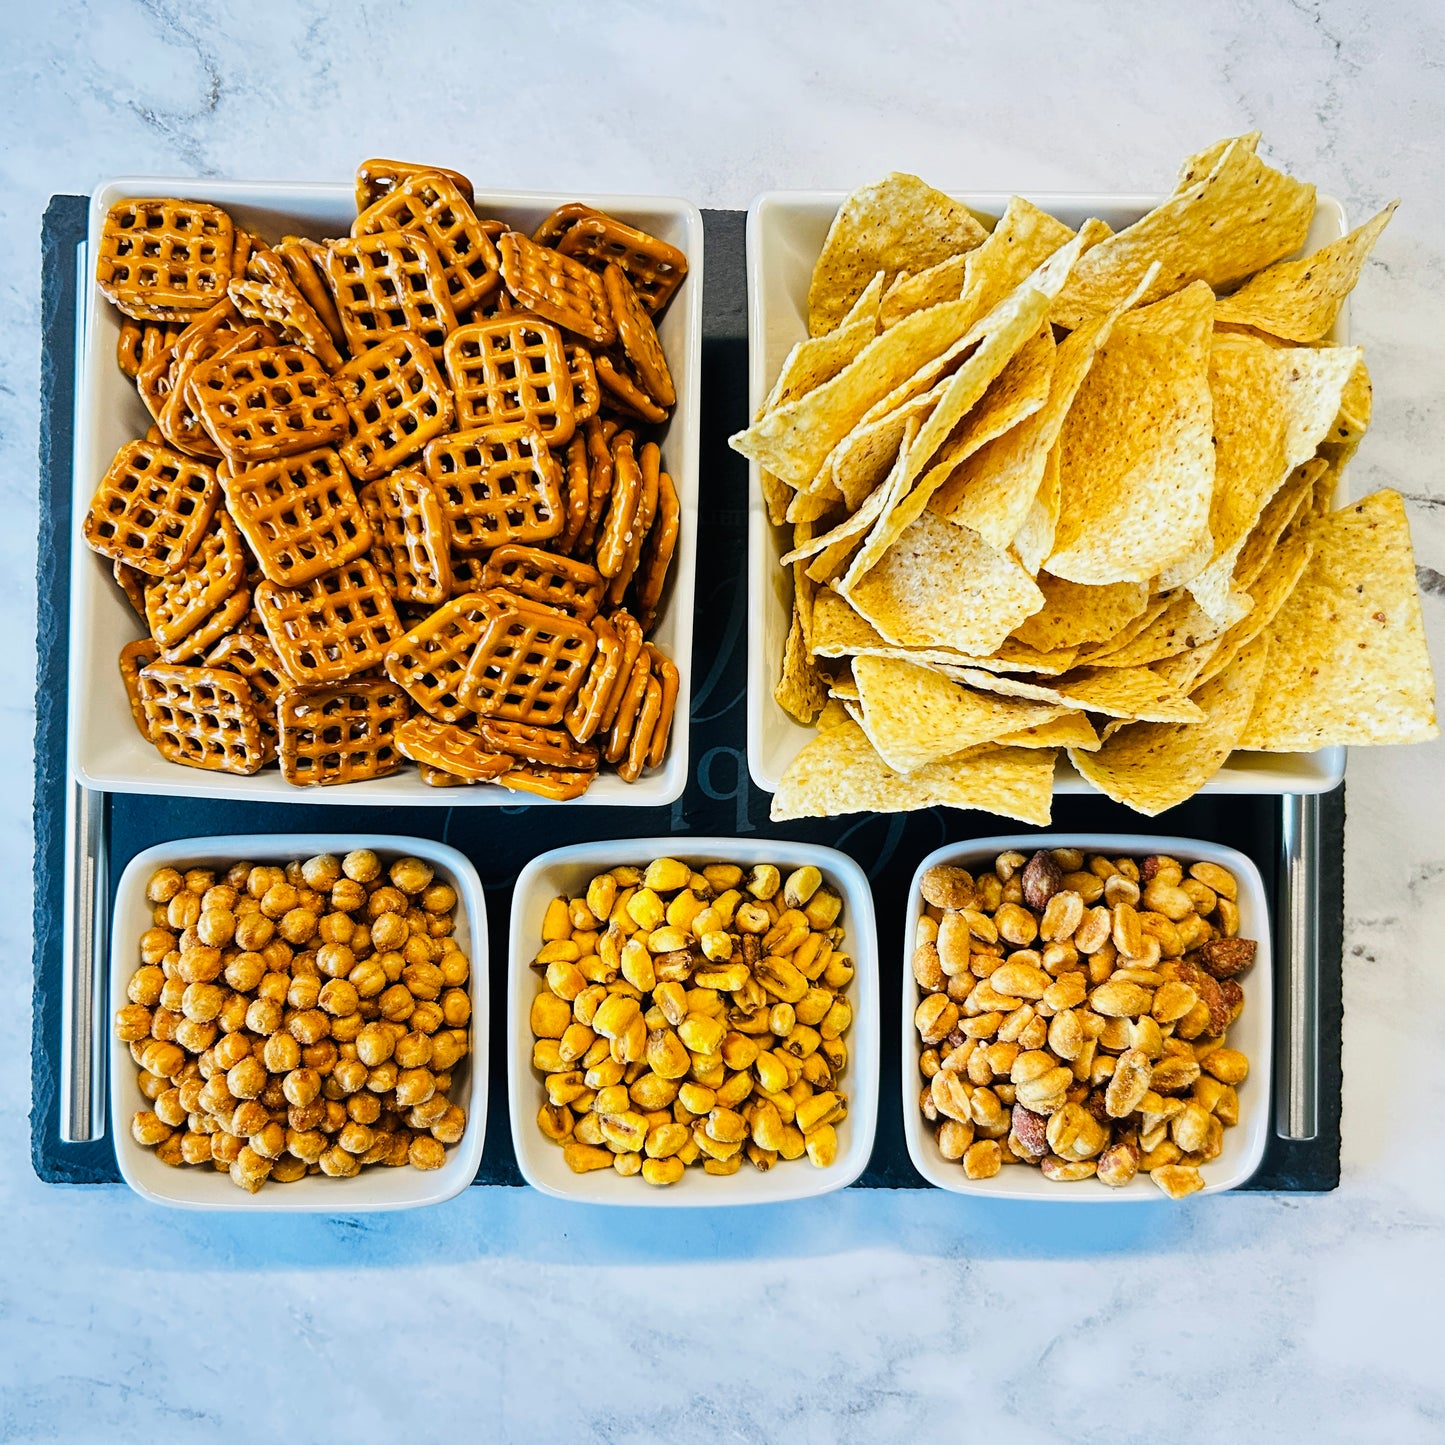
point(1048, 490)
point(1073, 1012)
point(399, 501)
point(299, 1020)
point(692, 1016)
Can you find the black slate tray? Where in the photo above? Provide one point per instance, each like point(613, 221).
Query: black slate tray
point(720, 798)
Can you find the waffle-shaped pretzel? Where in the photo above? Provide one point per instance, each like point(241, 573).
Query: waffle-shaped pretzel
point(557, 288)
point(623, 395)
point(301, 256)
point(389, 281)
point(440, 778)
point(451, 749)
point(130, 348)
point(615, 535)
point(633, 696)
point(178, 604)
point(497, 484)
point(527, 665)
point(599, 460)
point(638, 530)
point(555, 226)
point(629, 633)
point(512, 369)
point(561, 785)
point(551, 747)
point(584, 717)
point(430, 659)
point(432, 203)
point(249, 653)
point(665, 671)
point(654, 268)
point(638, 338)
point(397, 402)
point(133, 583)
point(266, 293)
point(241, 250)
point(299, 514)
point(586, 393)
point(376, 178)
point(151, 509)
point(219, 332)
point(570, 586)
point(657, 552)
point(342, 733)
point(202, 717)
point(274, 402)
point(231, 613)
point(164, 260)
point(157, 367)
point(468, 569)
point(639, 744)
point(576, 488)
point(331, 627)
point(409, 540)
point(133, 657)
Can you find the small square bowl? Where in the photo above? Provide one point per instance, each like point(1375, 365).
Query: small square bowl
point(1252, 1033)
point(376, 1187)
point(568, 871)
point(786, 230)
point(105, 749)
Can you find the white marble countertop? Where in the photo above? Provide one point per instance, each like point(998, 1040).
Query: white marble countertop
point(868, 1316)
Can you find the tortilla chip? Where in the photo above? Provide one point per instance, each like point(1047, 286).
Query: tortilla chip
point(1127, 692)
point(866, 307)
point(839, 771)
point(800, 689)
point(1284, 507)
point(860, 462)
point(1179, 625)
point(1299, 300)
point(1068, 730)
point(914, 716)
point(1220, 228)
point(1003, 478)
point(943, 586)
point(1102, 652)
point(1136, 452)
point(1270, 591)
point(1349, 663)
point(1272, 408)
point(776, 496)
point(929, 287)
point(1024, 238)
point(1152, 766)
point(792, 440)
point(1196, 167)
point(1001, 334)
point(1073, 614)
point(1353, 421)
point(834, 715)
point(896, 224)
point(817, 360)
point(1186, 670)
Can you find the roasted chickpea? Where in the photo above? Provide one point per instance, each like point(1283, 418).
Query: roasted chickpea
point(411, 875)
point(426, 1153)
point(439, 898)
point(155, 944)
point(321, 872)
point(361, 865)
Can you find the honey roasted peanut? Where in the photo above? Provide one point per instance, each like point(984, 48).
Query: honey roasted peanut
point(1072, 1013)
point(716, 1008)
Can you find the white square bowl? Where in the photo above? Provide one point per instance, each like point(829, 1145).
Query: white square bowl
point(568, 871)
point(1252, 1033)
point(785, 235)
point(105, 750)
point(375, 1188)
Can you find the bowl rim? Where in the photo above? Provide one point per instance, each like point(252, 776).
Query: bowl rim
point(655, 789)
point(1262, 778)
point(463, 1159)
point(947, 1175)
point(524, 1091)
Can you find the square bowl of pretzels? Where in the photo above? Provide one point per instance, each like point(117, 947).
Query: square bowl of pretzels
point(391, 487)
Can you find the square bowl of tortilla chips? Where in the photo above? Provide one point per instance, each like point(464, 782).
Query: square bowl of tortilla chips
point(1042, 498)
